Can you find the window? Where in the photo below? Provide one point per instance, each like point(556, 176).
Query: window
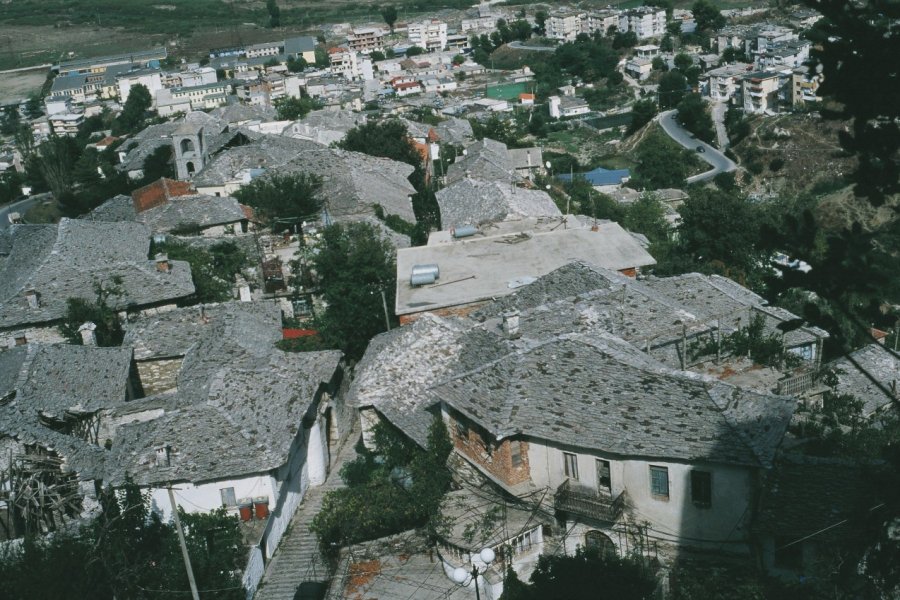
point(515, 452)
point(571, 465)
point(701, 488)
point(604, 483)
point(659, 482)
point(228, 498)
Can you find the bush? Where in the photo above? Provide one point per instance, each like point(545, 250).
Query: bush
point(776, 164)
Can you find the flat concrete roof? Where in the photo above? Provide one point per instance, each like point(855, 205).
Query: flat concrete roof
point(489, 266)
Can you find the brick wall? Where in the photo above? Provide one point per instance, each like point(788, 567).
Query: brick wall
point(494, 458)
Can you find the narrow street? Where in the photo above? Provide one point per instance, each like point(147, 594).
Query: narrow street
point(719, 162)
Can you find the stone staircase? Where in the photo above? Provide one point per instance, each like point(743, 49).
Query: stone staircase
point(297, 558)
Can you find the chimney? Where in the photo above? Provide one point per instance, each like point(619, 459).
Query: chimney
point(162, 263)
point(88, 336)
point(511, 324)
point(164, 456)
point(33, 298)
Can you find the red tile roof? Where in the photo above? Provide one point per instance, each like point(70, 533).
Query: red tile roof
point(159, 192)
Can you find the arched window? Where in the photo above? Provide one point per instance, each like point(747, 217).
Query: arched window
point(601, 541)
point(190, 167)
point(187, 145)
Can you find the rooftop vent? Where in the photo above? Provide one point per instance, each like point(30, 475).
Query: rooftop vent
point(464, 231)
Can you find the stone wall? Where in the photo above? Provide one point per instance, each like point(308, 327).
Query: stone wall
point(495, 458)
point(158, 376)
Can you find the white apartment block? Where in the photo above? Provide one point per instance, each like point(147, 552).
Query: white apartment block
point(344, 62)
point(478, 24)
point(430, 35)
point(366, 39)
point(565, 26)
point(265, 49)
point(761, 92)
point(149, 78)
point(645, 22)
point(601, 21)
point(724, 83)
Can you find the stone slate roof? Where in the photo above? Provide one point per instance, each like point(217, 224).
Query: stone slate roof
point(65, 261)
point(352, 183)
point(455, 131)
point(593, 393)
point(324, 126)
point(804, 495)
point(199, 210)
point(117, 208)
point(252, 411)
point(172, 333)
point(239, 114)
point(145, 142)
point(400, 364)
point(66, 377)
point(473, 202)
point(233, 387)
point(487, 160)
point(53, 380)
point(878, 362)
point(267, 152)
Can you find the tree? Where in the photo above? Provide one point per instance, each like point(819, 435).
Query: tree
point(660, 64)
point(298, 64)
point(667, 45)
point(672, 87)
point(521, 30)
point(322, 60)
point(355, 266)
point(135, 109)
point(721, 232)
point(290, 108)
point(376, 55)
point(159, 164)
point(855, 49)
point(55, 157)
point(621, 40)
point(33, 108)
point(661, 162)
point(79, 311)
point(11, 121)
point(459, 59)
point(683, 61)
point(282, 201)
point(694, 116)
point(588, 575)
point(648, 216)
point(389, 14)
point(212, 270)
point(734, 54)
point(642, 112)
point(274, 13)
point(540, 19)
point(707, 16)
point(415, 51)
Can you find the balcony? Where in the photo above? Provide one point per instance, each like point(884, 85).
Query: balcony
point(589, 503)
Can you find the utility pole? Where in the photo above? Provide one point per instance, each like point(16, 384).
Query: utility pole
point(184, 550)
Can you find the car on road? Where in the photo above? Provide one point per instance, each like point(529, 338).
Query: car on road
point(701, 149)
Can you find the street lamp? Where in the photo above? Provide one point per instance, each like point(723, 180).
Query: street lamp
point(464, 577)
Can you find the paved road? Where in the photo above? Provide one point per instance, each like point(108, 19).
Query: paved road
point(719, 162)
point(21, 207)
point(522, 46)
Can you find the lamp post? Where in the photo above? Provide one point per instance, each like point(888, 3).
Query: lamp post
point(462, 576)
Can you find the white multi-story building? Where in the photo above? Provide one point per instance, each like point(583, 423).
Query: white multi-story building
point(343, 62)
point(601, 21)
point(724, 83)
point(366, 39)
point(565, 26)
point(149, 78)
point(478, 24)
point(645, 22)
point(761, 92)
point(265, 49)
point(430, 35)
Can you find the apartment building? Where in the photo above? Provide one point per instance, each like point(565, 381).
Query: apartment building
point(366, 39)
point(565, 26)
point(645, 22)
point(430, 35)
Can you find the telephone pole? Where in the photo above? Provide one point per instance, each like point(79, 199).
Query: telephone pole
point(184, 550)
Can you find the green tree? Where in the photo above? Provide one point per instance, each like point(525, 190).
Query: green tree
point(33, 107)
point(459, 59)
point(521, 30)
point(540, 19)
point(647, 215)
point(11, 121)
point(415, 51)
point(298, 64)
point(159, 164)
point(274, 13)
point(54, 159)
point(376, 55)
point(282, 201)
point(135, 110)
point(660, 64)
point(733, 54)
point(707, 16)
point(661, 162)
point(666, 44)
point(694, 116)
point(720, 232)
point(642, 112)
point(294, 109)
point(212, 270)
point(855, 46)
point(355, 265)
point(625, 40)
point(389, 14)
point(588, 575)
point(683, 62)
point(672, 87)
point(322, 60)
point(79, 311)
